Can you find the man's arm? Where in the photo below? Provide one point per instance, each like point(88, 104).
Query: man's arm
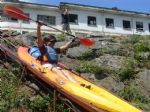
point(39, 37)
point(66, 46)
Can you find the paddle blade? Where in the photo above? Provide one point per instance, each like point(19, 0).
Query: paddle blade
point(15, 12)
point(87, 42)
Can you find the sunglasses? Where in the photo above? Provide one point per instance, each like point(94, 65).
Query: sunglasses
point(53, 41)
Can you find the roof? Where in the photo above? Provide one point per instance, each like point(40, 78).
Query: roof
point(114, 9)
point(104, 8)
point(37, 4)
point(29, 4)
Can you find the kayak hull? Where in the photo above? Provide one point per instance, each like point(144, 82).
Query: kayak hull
point(94, 95)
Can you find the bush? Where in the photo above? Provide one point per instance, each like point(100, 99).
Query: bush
point(89, 55)
point(127, 71)
point(40, 104)
point(133, 39)
point(142, 46)
point(102, 51)
point(9, 85)
point(132, 94)
point(12, 97)
point(119, 52)
point(91, 67)
point(61, 37)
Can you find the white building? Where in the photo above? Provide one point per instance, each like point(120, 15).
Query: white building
point(83, 19)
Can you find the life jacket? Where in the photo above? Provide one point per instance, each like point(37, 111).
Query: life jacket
point(35, 52)
point(50, 56)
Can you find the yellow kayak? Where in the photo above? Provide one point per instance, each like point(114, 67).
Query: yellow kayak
point(80, 88)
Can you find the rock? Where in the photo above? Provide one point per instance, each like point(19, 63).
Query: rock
point(100, 44)
point(33, 85)
point(89, 76)
point(143, 81)
point(15, 33)
point(71, 63)
point(61, 43)
point(97, 45)
point(145, 55)
point(113, 62)
point(76, 52)
point(111, 84)
point(28, 38)
point(19, 109)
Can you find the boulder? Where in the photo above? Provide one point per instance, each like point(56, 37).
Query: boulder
point(28, 38)
point(111, 84)
point(143, 81)
point(145, 55)
point(112, 62)
point(77, 52)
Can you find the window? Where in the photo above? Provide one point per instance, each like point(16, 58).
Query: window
point(24, 32)
point(126, 25)
point(12, 19)
point(26, 21)
point(149, 27)
point(109, 23)
point(91, 20)
point(139, 26)
point(47, 19)
point(73, 18)
point(1, 16)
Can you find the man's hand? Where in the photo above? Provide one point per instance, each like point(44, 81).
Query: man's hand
point(40, 23)
point(74, 38)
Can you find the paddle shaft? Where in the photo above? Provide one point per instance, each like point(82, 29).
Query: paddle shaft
point(55, 28)
point(19, 14)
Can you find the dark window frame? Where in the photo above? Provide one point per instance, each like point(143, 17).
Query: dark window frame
point(126, 24)
point(109, 21)
point(91, 19)
point(138, 24)
point(149, 26)
point(24, 32)
point(47, 19)
point(26, 21)
point(12, 20)
point(73, 18)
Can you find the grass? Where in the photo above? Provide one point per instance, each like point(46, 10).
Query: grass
point(142, 46)
point(132, 94)
point(9, 85)
point(127, 70)
point(88, 55)
point(133, 39)
point(119, 52)
point(91, 67)
point(137, 43)
point(39, 104)
point(13, 97)
point(61, 37)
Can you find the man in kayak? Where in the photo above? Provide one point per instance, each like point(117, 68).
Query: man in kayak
point(50, 54)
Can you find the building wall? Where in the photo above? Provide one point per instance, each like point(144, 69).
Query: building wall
point(82, 25)
point(20, 26)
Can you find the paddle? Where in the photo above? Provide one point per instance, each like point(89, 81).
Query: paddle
point(17, 13)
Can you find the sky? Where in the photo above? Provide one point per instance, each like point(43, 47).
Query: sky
point(130, 5)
